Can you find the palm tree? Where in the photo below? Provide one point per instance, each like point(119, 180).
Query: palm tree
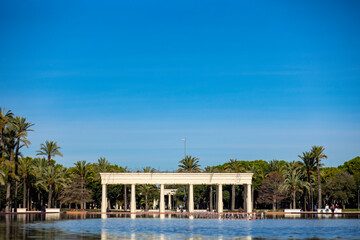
point(82, 169)
point(274, 166)
point(49, 149)
point(49, 177)
point(211, 169)
point(293, 180)
point(61, 181)
point(4, 164)
point(189, 164)
point(22, 128)
point(2, 177)
point(103, 165)
point(26, 169)
point(148, 169)
point(10, 143)
point(309, 168)
point(145, 188)
point(5, 118)
point(317, 153)
point(234, 167)
point(38, 167)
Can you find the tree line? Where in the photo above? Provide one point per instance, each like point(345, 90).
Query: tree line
point(35, 183)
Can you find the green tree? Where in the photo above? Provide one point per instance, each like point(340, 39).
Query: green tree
point(309, 168)
point(103, 165)
point(341, 188)
point(10, 144)
point(5, 119)
point(318, 154)
point(352, 166)
point(276, 166)
point(146, 189)
point(211, 169)
point(26, 169)
point(189, 164)
point(293, 182)
point(50, 176)
point(49, 149)
point(148, 169)
point(234, 166)
point(22, 129)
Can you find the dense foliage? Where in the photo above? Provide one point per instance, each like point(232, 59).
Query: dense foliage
point(35, 183)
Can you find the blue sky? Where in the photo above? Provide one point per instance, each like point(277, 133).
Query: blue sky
point(128, 80)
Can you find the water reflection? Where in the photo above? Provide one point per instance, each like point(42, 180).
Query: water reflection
point(52, 216)
point(167, 226)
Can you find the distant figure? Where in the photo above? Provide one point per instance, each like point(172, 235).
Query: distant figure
point(327, 209)
point(43, 209)
point(315, 208)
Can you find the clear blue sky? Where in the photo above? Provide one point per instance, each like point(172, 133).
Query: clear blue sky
point(128, 80)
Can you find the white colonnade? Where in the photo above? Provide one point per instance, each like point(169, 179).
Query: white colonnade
point(190, 179)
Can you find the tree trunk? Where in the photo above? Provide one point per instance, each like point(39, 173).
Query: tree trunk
point(16, 173)
point(82, 193)
point(294, 199)
point(39, 202)
point(319, 183)
point(146, 202)
point(312, 198)
point(8, 189)
point(16, 195)
point(233, 198)
point(24, 194)
point(28, 198)
point(311, 203)
point(8, 196)
point(211, 198)
point(274, 203)
point(125, 198)
point(50, 195)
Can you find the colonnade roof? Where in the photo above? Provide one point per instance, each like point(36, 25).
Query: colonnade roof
point(177, 178)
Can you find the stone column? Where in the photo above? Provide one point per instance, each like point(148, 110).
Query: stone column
point(169, 202)
point(162, 200)
point(133, 199)
point(245, 197)
point(248, 198)
point(219, 198)
point(191, 198)
point(104, 199)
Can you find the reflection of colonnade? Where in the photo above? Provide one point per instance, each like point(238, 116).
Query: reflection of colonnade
point(190, 179)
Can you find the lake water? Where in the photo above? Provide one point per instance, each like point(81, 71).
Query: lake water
point(66, 226)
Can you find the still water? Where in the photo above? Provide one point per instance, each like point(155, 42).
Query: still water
point(65, 226)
